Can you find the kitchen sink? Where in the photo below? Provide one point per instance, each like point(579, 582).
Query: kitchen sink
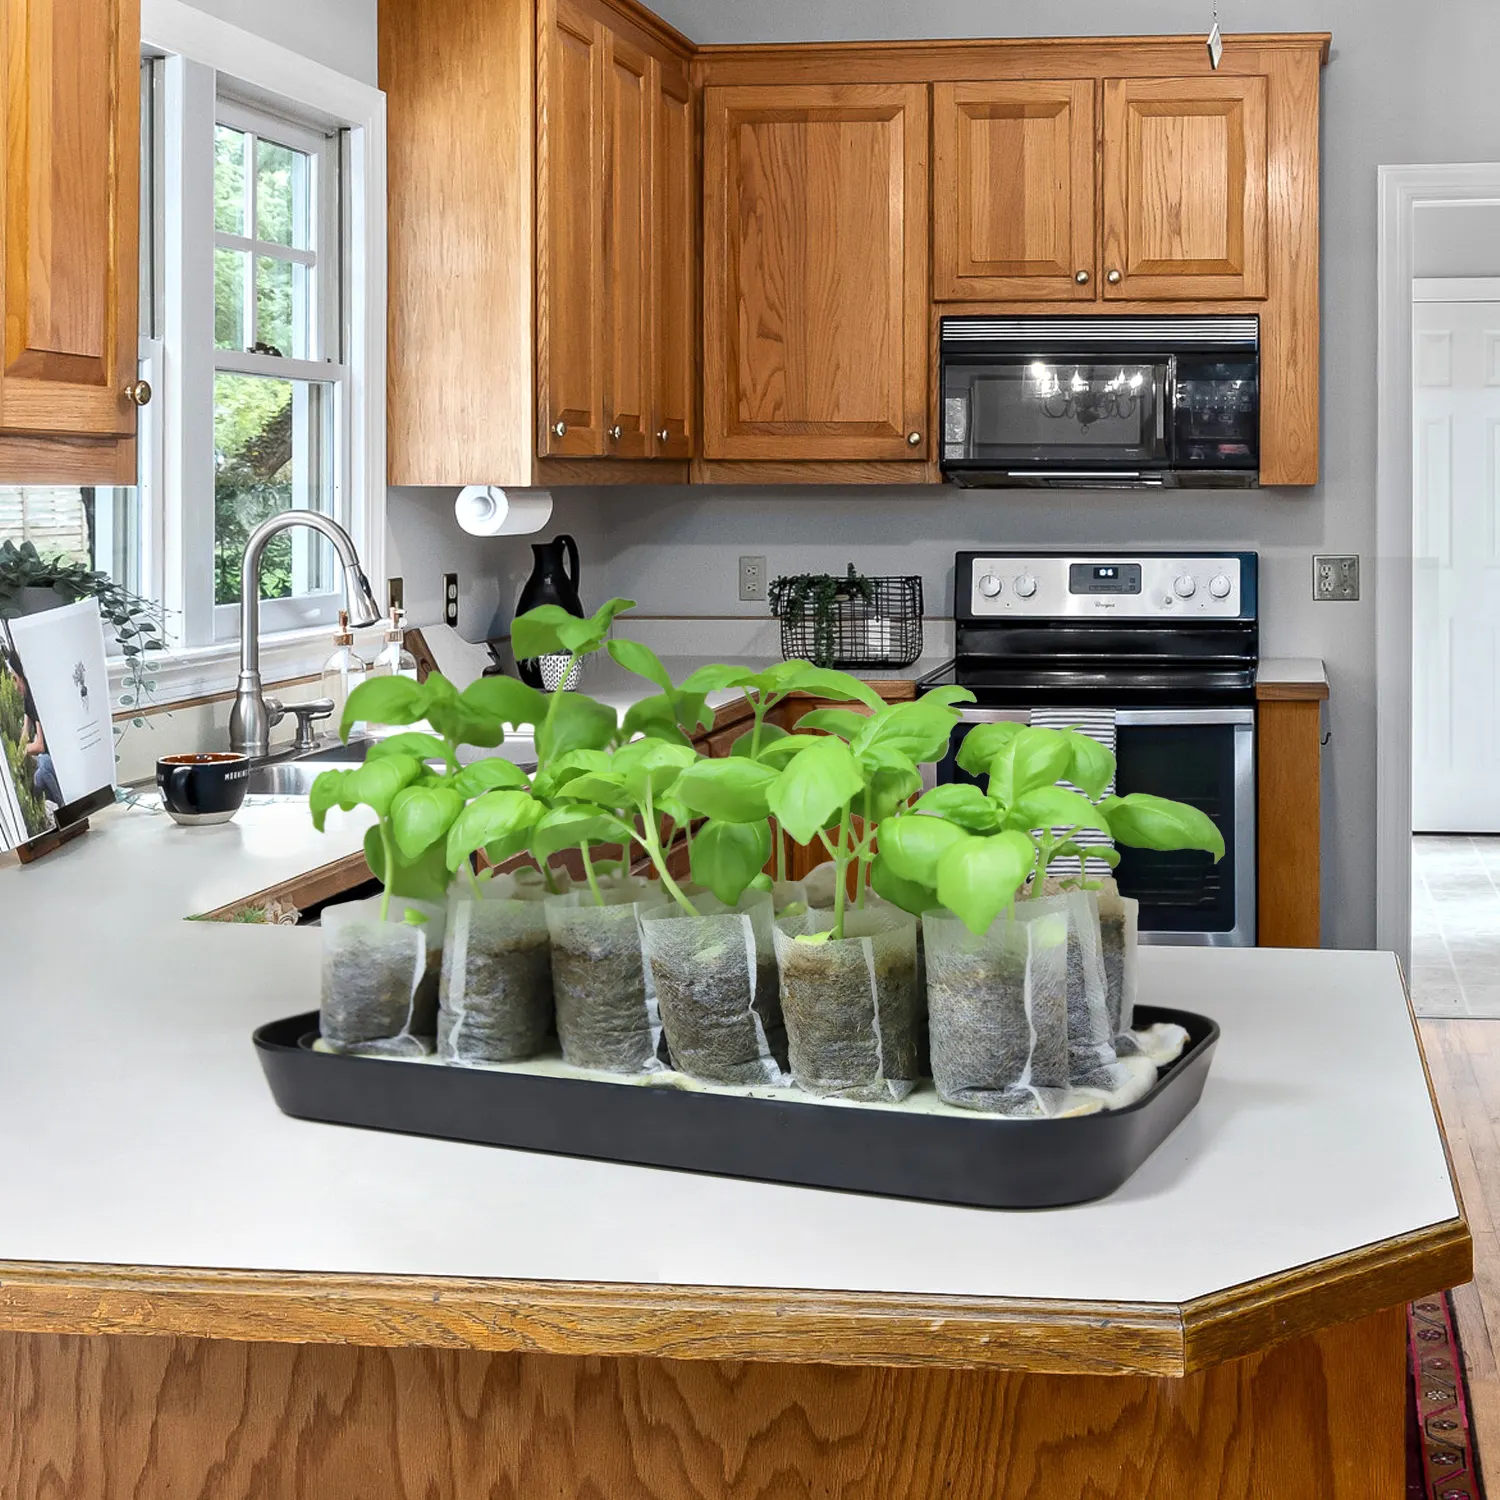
point(293, 776)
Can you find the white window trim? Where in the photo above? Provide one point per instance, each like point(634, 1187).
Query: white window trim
point(197, 45)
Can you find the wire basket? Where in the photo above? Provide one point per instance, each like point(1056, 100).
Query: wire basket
point(850, 623)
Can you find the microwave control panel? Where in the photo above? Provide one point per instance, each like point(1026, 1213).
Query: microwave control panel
point(1056, 587)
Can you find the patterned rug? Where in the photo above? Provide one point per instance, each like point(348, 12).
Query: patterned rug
point(1442, 1462)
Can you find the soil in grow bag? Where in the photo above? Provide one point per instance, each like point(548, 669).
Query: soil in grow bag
point(375, 980)
point(851, 1004)
point(496, 998)
point(716, 986)
point(997, 1010)
point(606, 1011)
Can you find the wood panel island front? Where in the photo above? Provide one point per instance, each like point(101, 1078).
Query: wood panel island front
point(199, 1296)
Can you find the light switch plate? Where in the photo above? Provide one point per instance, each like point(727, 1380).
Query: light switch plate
point(752, 578)
point(450, 599)
point(1335, 579)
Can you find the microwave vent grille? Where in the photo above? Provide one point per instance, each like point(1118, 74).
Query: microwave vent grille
point(1104, 333)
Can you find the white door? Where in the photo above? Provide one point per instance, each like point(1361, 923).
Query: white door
point(1456, 546)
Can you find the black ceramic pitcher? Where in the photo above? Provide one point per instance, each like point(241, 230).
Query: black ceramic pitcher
point(554, 580)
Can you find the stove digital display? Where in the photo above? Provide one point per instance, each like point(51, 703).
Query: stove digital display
point(1104, 578)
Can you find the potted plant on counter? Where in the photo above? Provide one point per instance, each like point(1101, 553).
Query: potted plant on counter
point(1023, 1005)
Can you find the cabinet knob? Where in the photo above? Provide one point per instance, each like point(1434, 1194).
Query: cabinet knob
point(138, 392)
point(663, 436)
point(1081, 277)
point(615, 433)
point(914, 439)
point(1112, 277)
point(559, 429)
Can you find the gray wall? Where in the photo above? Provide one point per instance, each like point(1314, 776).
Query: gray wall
point(338, 33)
point(1457, 239)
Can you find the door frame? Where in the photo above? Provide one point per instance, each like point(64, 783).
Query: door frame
point(1401, 190)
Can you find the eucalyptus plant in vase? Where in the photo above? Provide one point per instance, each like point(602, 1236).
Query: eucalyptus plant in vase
point(1026, 1007)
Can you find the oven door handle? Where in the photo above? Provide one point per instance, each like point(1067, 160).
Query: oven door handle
point(1135, 718)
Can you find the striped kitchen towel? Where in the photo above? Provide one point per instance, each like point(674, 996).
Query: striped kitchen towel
point(1099, 723)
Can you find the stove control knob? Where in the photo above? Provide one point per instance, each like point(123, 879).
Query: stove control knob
point(1219, 587)
point(1184, 586)
point(1025, 586)
point(989, 586)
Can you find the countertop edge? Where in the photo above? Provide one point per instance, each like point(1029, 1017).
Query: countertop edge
point(735, 1323)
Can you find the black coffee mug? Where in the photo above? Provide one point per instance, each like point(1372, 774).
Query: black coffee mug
point(206, 788)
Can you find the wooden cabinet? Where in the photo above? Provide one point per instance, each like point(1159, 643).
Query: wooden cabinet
point(572, 62)
point(1182, 171)
point(543, 250)
point(1013, 190)
point(1185, 187)
point(70, 210)
point(815, 272)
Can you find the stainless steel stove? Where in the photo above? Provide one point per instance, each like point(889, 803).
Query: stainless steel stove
point(1153, 653)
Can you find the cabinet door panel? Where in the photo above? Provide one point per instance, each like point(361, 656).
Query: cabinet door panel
point(1185, 187)
point(627, 248)
point(674, 190)
point(1013, 190)
point(570, 232)
point(815, 272)
point(72, 126)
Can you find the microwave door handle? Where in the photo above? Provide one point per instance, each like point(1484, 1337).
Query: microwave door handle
point(1169, 396)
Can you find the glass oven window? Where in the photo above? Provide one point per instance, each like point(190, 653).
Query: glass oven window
point(1056, 410)
point(1184, 892)
point(1215, 413)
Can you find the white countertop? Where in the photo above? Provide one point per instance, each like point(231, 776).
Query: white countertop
point(137, 1128)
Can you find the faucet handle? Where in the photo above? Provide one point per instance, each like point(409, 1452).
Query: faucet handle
point(275, 711)
point(307, 714)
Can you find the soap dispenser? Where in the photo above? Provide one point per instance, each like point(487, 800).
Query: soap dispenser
point(394, 660)
point(343, 671)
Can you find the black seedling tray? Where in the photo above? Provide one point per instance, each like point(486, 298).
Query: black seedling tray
point(975, 1159)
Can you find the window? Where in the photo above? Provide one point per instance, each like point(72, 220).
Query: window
point(262, 335)
point(278, 379)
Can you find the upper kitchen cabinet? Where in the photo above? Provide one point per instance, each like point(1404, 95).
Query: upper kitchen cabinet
point(543, 249)
point(1013, 190)
point(1185, 174)
point(815, 300)
point(68, 388)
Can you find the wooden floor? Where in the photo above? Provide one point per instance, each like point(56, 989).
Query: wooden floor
point(1464, 1057)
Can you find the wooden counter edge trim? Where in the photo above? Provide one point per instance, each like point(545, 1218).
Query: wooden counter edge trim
point(1260, 1314)
point(301, 891)
point(811, 1327)
point(1291, 692)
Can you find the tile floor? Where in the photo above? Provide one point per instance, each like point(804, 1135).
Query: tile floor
point(1455, 918)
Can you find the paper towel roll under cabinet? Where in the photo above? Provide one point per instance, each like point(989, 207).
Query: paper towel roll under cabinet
point(488, 510)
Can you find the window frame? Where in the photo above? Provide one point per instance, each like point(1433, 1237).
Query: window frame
point(208, 65)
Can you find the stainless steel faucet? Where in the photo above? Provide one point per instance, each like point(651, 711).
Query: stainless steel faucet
point(254, 715)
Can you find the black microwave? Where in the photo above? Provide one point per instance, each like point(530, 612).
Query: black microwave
point(1100, 401)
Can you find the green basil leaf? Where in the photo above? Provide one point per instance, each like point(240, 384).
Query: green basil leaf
point(1092, 767)
point(603, 787)
point(643, 661)
point(493, 819)
point(649, 767)
point(715, 679)
point(375, 784)
point(732, 789)
point(978, 877)
point(421, 815)
point(844, 722)
point(425, 878)
point(820, 682)
point(504, 700)
point(913, 844)
point(982, 743)
point(423, 746)
point(817, 783)
point(920, 729)
point(1029, 759)
point(578, 723)
point(386, 700)
point(768, 733)
point(570, 826)
point(1141, 821)
point(909, 895)
point(728, 856)
point(325, 793)
point(963, 803)
point(1055, 807)
point(488, 775)
point(536, 632)
point(778, 751)
point(654, 718)
point(547, 783)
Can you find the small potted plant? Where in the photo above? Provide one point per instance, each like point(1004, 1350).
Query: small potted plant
point(1018, 987)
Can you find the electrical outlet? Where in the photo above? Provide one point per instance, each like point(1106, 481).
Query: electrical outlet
point(450, 599)
point(1335, 579)
point(395, 594)
point(752, 578)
